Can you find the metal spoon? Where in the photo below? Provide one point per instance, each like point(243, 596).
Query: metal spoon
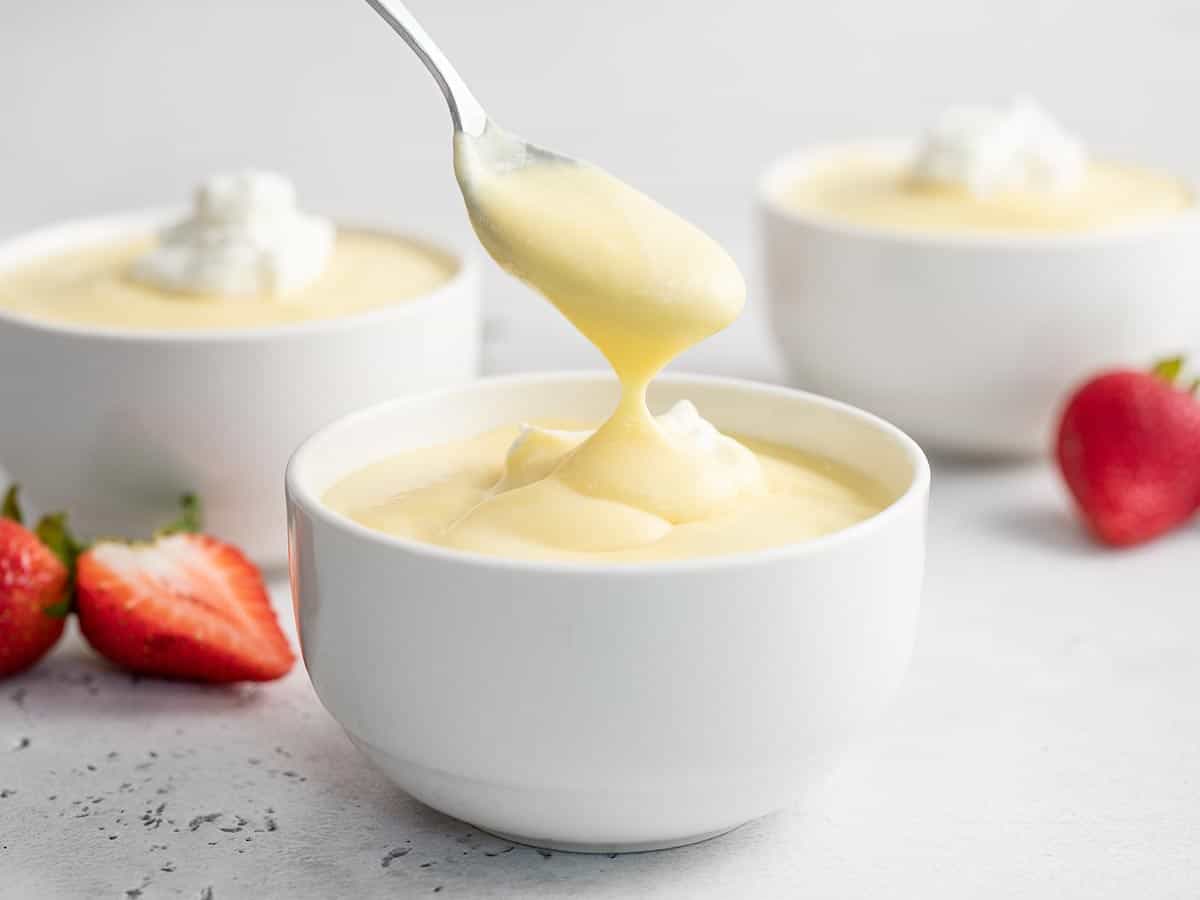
point(495, 147)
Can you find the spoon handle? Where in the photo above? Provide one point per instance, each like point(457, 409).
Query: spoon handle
point(465, 111)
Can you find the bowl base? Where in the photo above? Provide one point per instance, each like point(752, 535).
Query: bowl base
point(475, 803)
point(610, 848)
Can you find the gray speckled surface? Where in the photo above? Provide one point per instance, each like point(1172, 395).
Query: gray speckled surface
point(1044, 744)
point(116, 786)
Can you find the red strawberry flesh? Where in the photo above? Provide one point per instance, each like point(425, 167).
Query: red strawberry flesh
point(186, 606)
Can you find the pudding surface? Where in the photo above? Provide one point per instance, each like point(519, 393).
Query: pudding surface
point(479, 495)
point(94, 286)
point(871, 189)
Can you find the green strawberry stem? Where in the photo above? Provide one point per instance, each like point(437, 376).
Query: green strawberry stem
point(11, 507)
point(1169, 369)
point(53, 532)
point(63, 607)
point(189, 521)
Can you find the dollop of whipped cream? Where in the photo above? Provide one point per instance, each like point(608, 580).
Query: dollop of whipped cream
point(536, 452)
point(693, 434)
point(986, 150)
point(245, 237)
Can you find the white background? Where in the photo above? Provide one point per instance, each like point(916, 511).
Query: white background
point(1047, 741)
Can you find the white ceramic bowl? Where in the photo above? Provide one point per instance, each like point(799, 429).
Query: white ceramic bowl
point(113, 425)
point(605, 708)
point(969, 341)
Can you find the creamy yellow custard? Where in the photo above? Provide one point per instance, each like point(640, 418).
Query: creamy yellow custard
point(94, 287)
point(467, 495)
point(643, 285)
point(867, 189)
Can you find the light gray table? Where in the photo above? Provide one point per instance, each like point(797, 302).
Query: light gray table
point(1046, 744)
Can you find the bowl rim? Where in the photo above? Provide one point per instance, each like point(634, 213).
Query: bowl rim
point(56, 237)
point(302, 495)
point(788, 166)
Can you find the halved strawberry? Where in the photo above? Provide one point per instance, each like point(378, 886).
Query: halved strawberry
point(181, 606)
point(34, 587)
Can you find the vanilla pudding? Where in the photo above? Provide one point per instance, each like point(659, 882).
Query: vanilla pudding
point(958, 283)
point(643, 285)
point(877, 190)
point(983, 170)
point(660, 702)
point(245, 258)
point(148, 391)
point(492, 494)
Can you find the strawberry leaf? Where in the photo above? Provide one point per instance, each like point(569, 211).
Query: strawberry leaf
point(11, 507)
point(189, 521)
point(62, 608)
point(1168, 369)
point(53, 532)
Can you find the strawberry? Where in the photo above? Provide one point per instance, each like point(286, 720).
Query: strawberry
point(183, 605)
point(1129, 450)
point(34, 584)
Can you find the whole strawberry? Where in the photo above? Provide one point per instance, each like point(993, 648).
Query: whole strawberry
point(1129, 449)
point(34, 588)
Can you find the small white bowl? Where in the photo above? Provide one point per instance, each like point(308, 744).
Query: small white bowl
point(969, 341)
point(606, 708)
point(113, 425)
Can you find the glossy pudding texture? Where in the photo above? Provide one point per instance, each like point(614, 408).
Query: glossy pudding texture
point(476, 495)
point(875, 189)
point(643, 285)
point(95, 287)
